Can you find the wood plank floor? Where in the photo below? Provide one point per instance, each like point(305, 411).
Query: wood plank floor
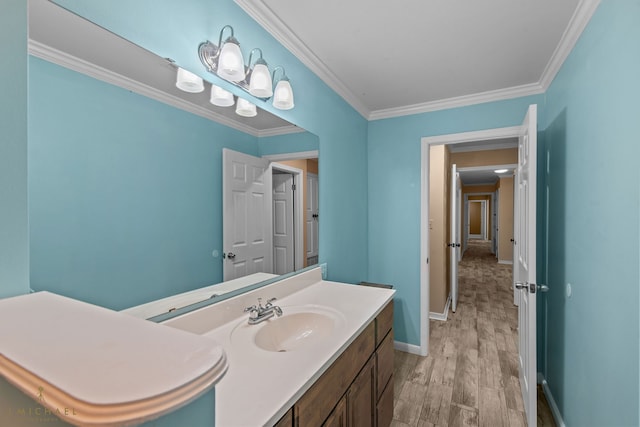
point(470, 377)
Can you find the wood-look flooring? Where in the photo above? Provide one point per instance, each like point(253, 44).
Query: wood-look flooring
point(470, 377)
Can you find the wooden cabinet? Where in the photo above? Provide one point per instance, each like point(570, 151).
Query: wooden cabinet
point(361, 401)
point(357, 389)
point(286, 420)
point(338, 417)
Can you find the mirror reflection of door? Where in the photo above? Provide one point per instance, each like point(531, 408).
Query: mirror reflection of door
point(268, 231)
point(283, 222)
point(312, 219)
point(247, 210)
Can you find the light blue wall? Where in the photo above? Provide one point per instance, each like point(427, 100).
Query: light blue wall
point(290, 143)
point(175, 29)
point(125, 192)
point(394, 157)
point(592, 126)
point(14, 234)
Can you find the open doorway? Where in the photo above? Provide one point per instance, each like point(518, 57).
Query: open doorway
point(523, 190)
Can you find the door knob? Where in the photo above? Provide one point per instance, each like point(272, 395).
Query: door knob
point(542, 288)
point(231, 255)
point(521, 285)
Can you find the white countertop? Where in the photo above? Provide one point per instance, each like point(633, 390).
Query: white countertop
point(110, 368)
point(261, 385)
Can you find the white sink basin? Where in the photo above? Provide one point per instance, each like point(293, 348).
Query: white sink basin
point(300, 327)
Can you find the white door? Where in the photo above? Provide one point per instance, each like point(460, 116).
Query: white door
point(312, 218)
point(283, 231)
point(246, 215)
point(455, 236)
point(494, 223)
point(525, 260)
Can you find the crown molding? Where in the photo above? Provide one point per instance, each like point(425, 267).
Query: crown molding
point(264, 16)
point(282, 130)
point(459, 101)
point(43, 51)
point(581, 17)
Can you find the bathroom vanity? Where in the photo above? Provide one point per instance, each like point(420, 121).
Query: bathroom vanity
point(328, 360)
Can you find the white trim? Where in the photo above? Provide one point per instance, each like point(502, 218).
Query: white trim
point(262, 14)
point(487, 147)
point(407, 348)
point(63, 59)
point(459, 101)
point(444, 315)
point(314, 154)
point(475, 236)
point(555, 411)
point(282, 130)
point(424, 251)
point(478, 135)
point(505, 261)
point(581, 17)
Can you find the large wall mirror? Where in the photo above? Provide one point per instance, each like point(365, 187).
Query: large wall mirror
point(139, 192)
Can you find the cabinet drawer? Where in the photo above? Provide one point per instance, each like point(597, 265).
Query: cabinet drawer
point(384, 322)
point(385, 406)
point(384, 363)
point(318, 402)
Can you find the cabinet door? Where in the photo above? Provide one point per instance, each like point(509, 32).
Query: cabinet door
point(286, 420)
point(338, 417)
point(385, 406)
point(361, 397)
point(384, 360)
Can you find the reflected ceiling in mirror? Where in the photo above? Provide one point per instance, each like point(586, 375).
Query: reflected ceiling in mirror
point(62, 37)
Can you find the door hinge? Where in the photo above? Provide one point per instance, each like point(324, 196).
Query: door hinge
point(293, 187)
point(427, 260)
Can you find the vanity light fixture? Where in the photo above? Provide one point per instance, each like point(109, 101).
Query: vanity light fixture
point(225, 60)
point(283, 94)
point(220, 97)
point(260, 84)
point(499, 171)
point(189, 82)
point(245, 108)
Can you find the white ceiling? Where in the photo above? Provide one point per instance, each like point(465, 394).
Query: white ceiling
point(390, 58)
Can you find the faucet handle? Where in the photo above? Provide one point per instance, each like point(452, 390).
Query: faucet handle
point(250, 308)
point(269, 301)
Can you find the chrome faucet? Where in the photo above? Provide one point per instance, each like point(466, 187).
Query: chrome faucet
point(259, 313)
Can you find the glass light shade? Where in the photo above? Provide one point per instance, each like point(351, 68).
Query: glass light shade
point(220, 97)
point(260, 84)
point(245, 108)
point(501, 171)
point(283, 95)
point(189, 82)
point(231, 62)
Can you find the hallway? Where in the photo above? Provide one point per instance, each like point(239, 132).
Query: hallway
point(470, 377)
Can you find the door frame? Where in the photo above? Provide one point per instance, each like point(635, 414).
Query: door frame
point(467, 201)
point(298, 207)
point(425, 143)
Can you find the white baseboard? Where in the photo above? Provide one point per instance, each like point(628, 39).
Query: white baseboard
point(557, 416)
point(407, 348)
point(444, 315)
point(505, 261)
